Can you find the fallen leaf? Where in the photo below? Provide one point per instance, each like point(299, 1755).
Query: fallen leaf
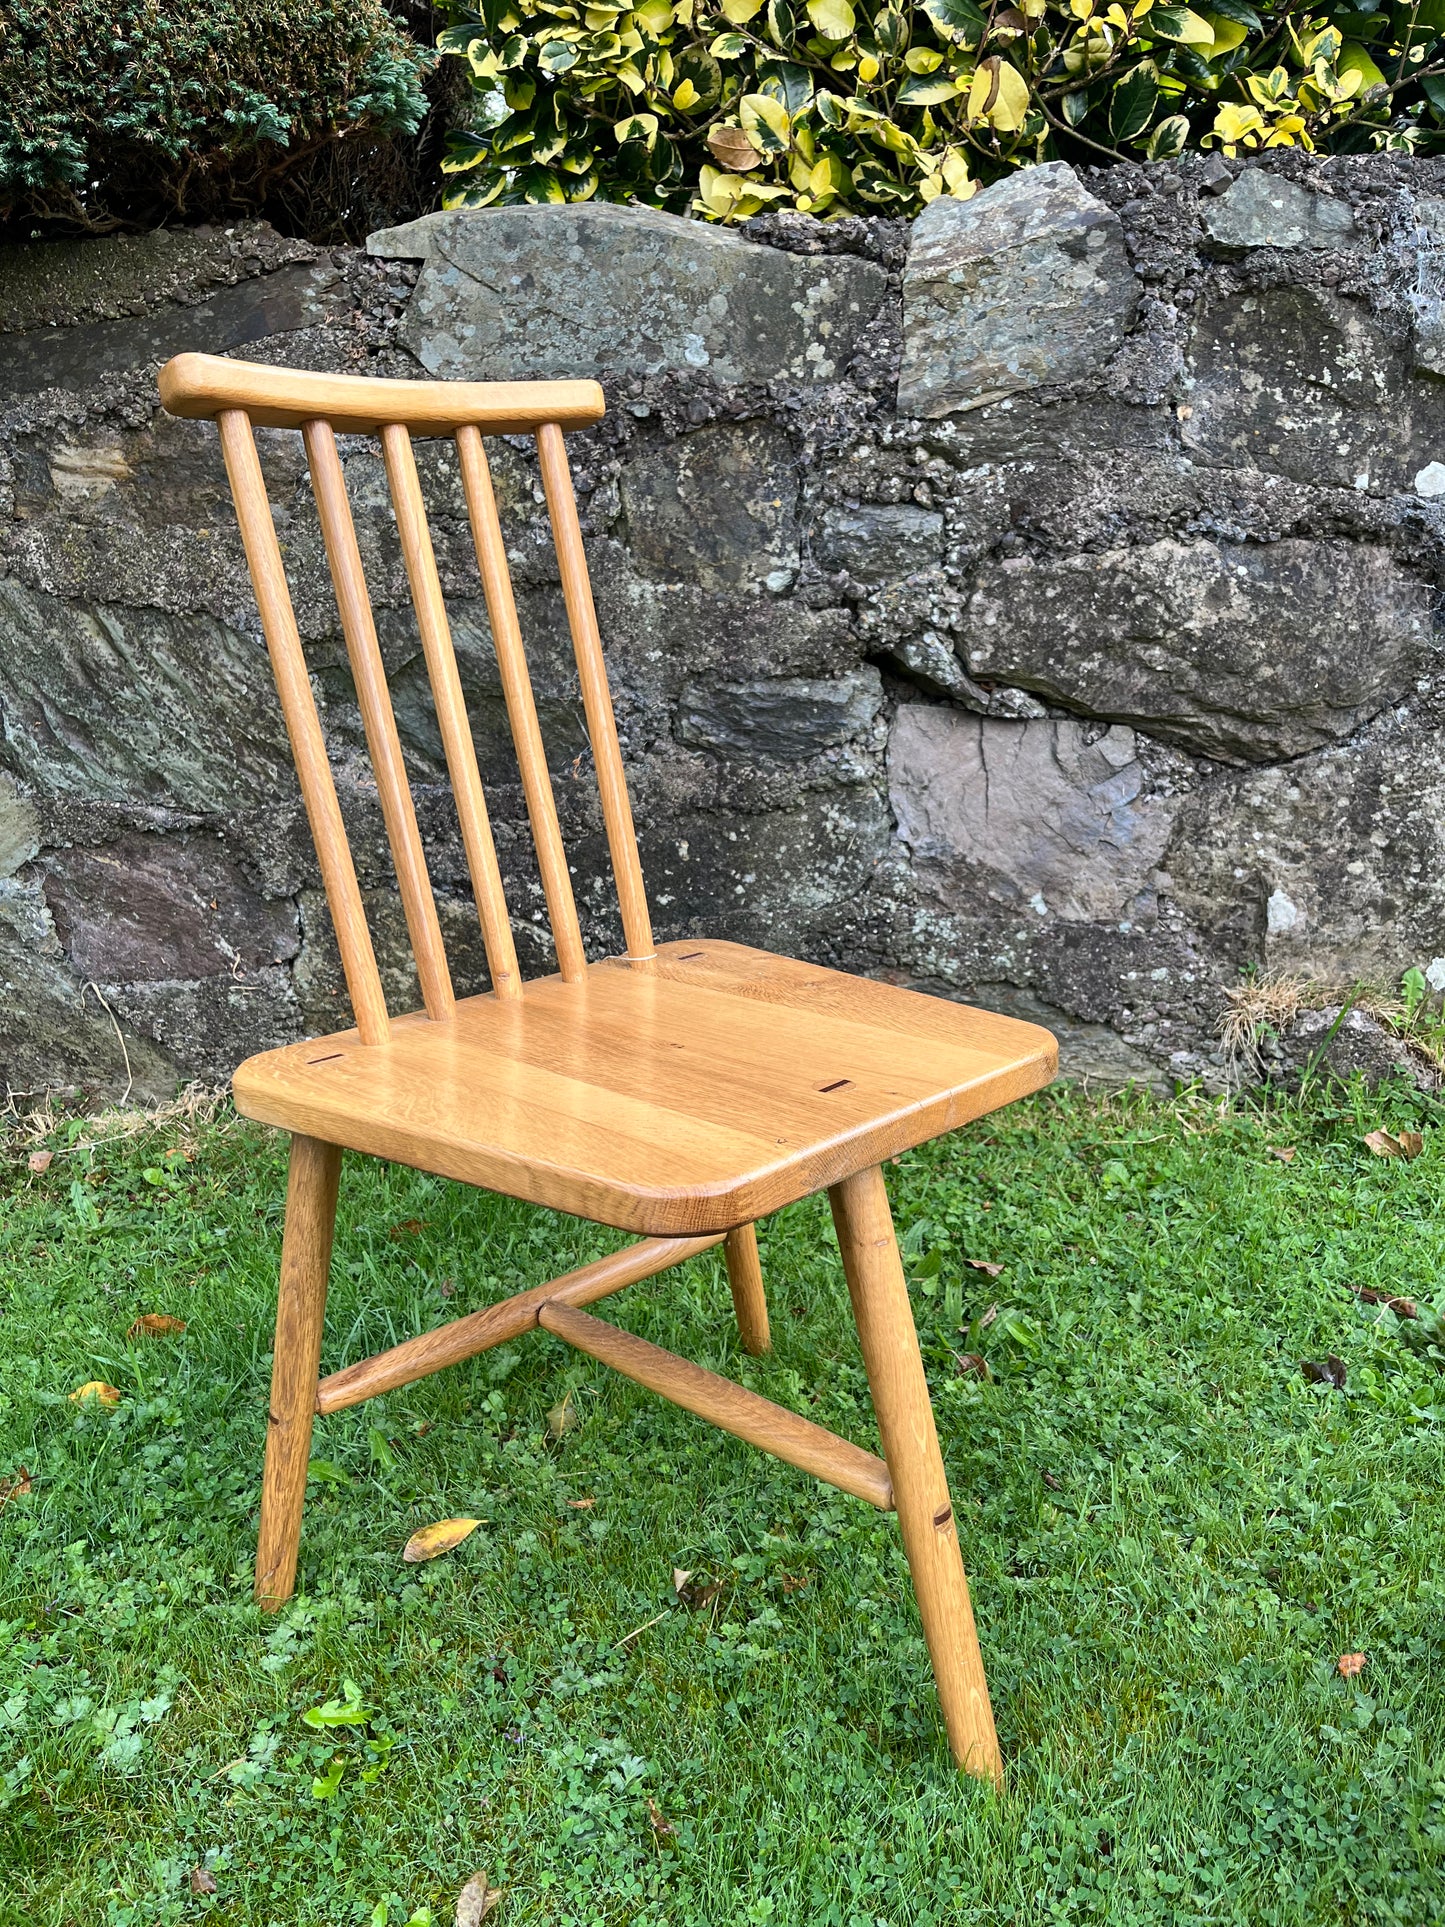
point(96, 1388)
point(408, 1228)
point(156, 1324)
point(679, 1580)
point(983, 1264)
point(1395, 1144)
point(1054, 1484)
point(15, 1487)
point(1402, 1307)
point(972, 1365)
point(731, 148)
point(476, 1900)
point(1284, 1152)
point(447, 1288)
point(430, 1542)
point(794, 1582)
point(203, 1881)
point(661, 1825)
point(561, 1418)
point(39, 1161)
point(1351, 1665)
point(581, 1505)
point(1324, 1371)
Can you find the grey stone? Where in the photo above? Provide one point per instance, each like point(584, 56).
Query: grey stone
point(1427, 296)
point(880, 543)
point(1243, 652)
point(1293, 379)
point(1331, 868)
point(717, 507)
point(1051, 813)
point(62, 284)
point(1336, 1041)
point(601, 289)
point(271, 304)
point(55, 1032)
point(1263, 210)
point(149, 909)
point(122, 704)
point(1027, 283)
point(19, 828)
point(783, 721)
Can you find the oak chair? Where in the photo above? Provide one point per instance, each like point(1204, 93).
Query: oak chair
point(680, 1091)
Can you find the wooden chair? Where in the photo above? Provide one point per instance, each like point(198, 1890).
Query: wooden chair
point(679, 1091)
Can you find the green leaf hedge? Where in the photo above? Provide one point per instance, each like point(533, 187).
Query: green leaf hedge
point(728, 107)
point(149, 108)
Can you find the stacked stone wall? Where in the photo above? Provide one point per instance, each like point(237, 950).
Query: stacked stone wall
point(1038, 606)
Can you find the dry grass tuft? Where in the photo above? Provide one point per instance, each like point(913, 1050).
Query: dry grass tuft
point(194, 1107)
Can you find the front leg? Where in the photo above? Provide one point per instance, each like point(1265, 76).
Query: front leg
point(920, 1486)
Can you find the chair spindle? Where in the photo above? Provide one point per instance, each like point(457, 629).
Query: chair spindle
point(382, 741)
point(293, 684)
point(521, 706)
point(451, 710)
point(597, 702)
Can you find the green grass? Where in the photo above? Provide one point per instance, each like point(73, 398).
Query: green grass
point(1171, 1535)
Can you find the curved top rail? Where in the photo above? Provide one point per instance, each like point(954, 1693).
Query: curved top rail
point(202, 386)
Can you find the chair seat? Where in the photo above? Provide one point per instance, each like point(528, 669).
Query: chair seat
point(698, 1096)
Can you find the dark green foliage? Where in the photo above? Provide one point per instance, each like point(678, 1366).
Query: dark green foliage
point(148, 109)
point(832, 107)
point(1172, 1538)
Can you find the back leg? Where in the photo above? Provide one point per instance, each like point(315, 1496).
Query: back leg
point(745, 1275)
point(311, 1190)
point(915, 1465)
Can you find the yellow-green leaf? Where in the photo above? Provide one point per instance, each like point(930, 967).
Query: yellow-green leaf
point(834, 19)
point(765, 121)
point(430, 1542)
point(1354, 60)
point(636, 127)
point(739, 12)
point(1228, 34)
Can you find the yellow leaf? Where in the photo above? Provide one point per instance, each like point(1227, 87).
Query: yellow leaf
point(999, 94)
point(765, 122)
point(834, 19)
point(685, 95)
point(739, 12)
point(430, 1542)
point(1234, 123)
point(922, 60)
point(96, 1388)
point(867, 69)
point(955, 174)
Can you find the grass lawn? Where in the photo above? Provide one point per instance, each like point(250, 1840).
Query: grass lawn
point(1172, 1537)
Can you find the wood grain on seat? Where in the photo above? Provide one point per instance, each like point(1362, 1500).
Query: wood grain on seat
point(697, 1097)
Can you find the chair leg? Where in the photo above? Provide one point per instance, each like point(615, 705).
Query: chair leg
point(745, 1275)
point(305, 1260)
point(915, 1464)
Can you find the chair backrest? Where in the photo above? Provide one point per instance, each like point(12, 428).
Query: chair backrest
point(240, 395)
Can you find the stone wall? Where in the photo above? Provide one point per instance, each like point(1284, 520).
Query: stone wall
point(1038, 607)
